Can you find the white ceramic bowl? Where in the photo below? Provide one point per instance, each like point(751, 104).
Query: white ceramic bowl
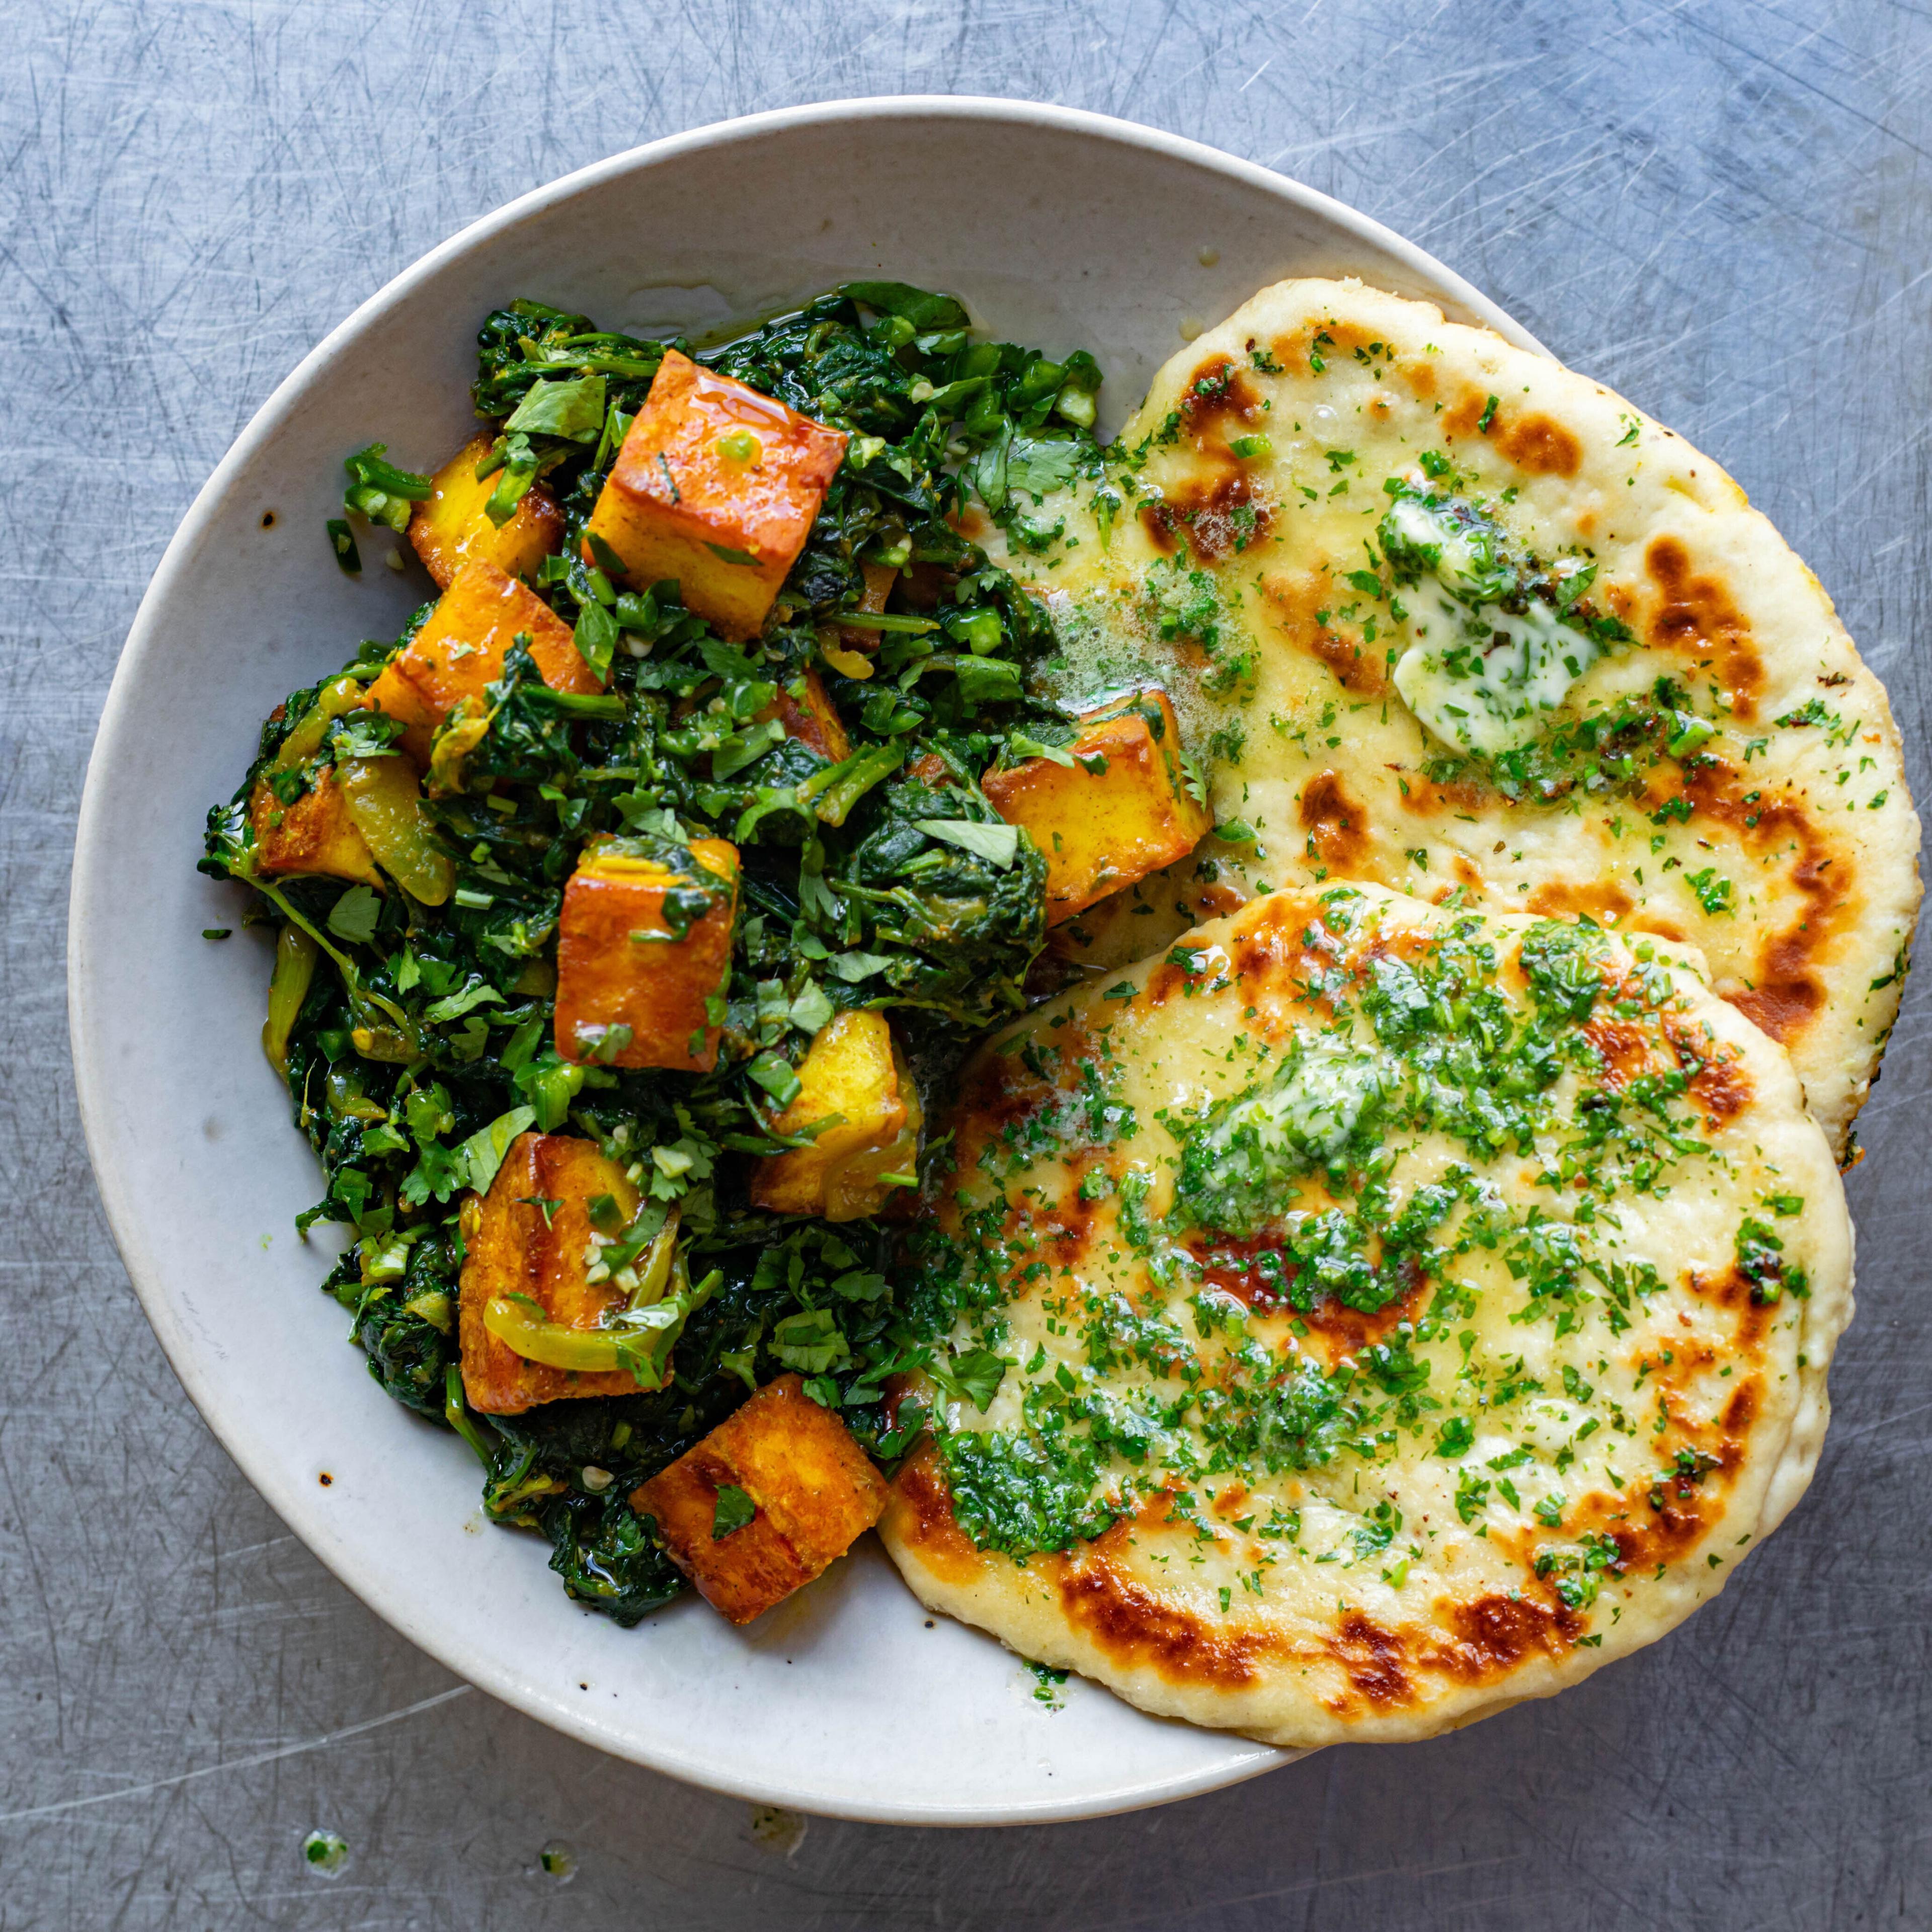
point(1056, 228)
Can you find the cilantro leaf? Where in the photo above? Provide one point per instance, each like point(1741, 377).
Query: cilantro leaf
point(1040, 465)
point(735, 1509)
point(976, 1375)
point(438, 1172)
point(997, 844)
point(353, 916)
point(482, 1154)
point(810, 1342)
point(852, 966)
point(573, 409)
point(922, 307)
point(478, 992)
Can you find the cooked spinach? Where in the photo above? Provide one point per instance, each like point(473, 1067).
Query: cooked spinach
point(417, 1039)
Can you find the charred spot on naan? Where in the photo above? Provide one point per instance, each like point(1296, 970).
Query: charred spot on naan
point(1216, 900)
point(1134, 1627)
point(1624, 1051)
point(1217, 511)
point(1220, 398)
point(1722, 1089)
point(1281, 958)
point(1496, 1634)
point(1373, 1658)
point(1716, 1082)
point(1002, 1100)
point(1602, 901)
point(1538, 444)
point(1534, 441)
point(1696, 616)
point(1719, 1087)
point(1216, 517)
point(919, 1513)
point(1327, 1327)
point(1490, 1638)
point(997, 1094)
point(1338, 825)
point(1734, 1291)
point(1784, 995)
point(1295, 600)
point(1318, 343)
point(1662, 1522)
point(1059, 1232)
point(1424, 797)
point(1343, 1333)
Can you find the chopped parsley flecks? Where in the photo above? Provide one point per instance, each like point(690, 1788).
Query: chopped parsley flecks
point(1443, 1154)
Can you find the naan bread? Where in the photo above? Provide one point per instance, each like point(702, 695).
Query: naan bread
point(1720, 769)
point(1404, 1313)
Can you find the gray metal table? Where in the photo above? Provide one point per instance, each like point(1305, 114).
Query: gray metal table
point(1723, 207)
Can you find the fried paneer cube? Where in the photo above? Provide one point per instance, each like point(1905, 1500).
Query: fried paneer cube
point(643, 953)
point(461, 650)
point(808, 715)
point(316, 834)
point(1121, 811)
point(853, 1069)
point(528, 1236)
point(453, 526)
point(716, 486)
point(812, 1490)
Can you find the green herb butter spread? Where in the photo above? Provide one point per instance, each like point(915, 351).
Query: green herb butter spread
point(1481, 676)
point(1393, 1311)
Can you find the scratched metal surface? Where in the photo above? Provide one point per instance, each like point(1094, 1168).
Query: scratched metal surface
point(1723, 207)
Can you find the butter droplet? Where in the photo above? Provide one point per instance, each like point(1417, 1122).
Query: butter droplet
point(1209, 257)
point(1189, 329)
point(774, 1829)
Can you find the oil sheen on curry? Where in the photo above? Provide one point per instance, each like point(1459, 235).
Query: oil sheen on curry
point(1443, 615)
point(1407, 1310)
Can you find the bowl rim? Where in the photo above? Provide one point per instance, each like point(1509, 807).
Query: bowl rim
point(368, 1582)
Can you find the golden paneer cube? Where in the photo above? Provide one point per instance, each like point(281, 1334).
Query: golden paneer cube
point(642, 953)
point(528, 1236)
point(461, 650)
point(316, 834)
point(1121, 811)
point(453, 526)
point(809, 716)
point(853, 1069)
point(813, 1491)
point(716, 486)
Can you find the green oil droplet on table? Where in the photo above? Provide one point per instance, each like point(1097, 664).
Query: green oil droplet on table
point(326, 1853)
